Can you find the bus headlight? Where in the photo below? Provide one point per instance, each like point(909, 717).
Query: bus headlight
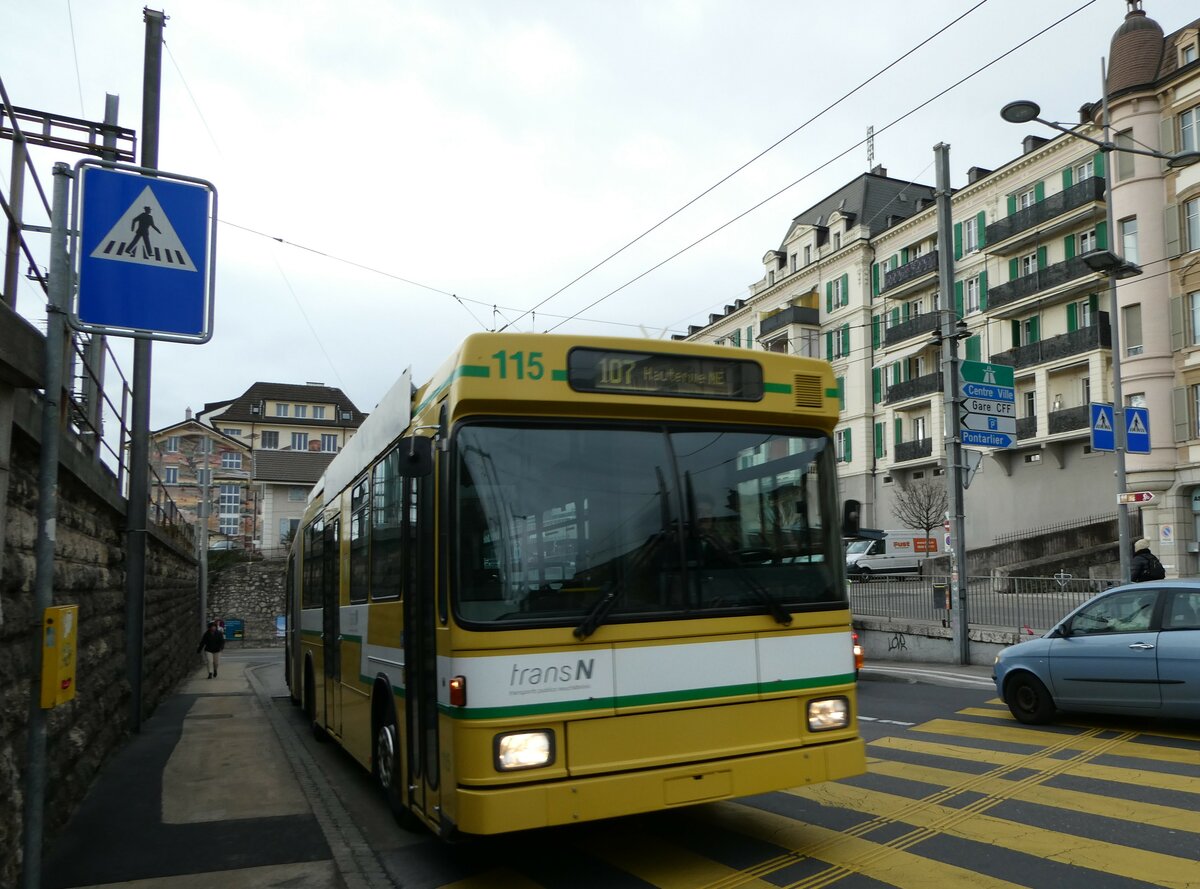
point(828, 713)
point(524, 750)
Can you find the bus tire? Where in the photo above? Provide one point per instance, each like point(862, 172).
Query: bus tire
point(388, 770)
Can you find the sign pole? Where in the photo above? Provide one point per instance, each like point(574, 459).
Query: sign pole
point(953, 443)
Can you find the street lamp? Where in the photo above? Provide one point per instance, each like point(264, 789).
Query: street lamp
point(1113, 267)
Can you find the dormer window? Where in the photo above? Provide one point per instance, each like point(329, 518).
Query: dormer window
point(1187, 53)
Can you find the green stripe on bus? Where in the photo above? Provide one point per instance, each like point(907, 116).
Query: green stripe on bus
point(558, 376)
point(475, 370)
point(783, 388)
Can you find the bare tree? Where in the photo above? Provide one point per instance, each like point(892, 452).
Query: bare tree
point(922, 505)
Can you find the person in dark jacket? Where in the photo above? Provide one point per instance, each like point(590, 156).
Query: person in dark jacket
point(1145, 565)
point(211, 644)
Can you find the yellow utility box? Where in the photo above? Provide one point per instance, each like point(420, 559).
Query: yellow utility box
point(60, 625)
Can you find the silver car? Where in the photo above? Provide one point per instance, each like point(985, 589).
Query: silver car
point(1134, 650)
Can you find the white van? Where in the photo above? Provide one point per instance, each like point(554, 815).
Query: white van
point(897, 552)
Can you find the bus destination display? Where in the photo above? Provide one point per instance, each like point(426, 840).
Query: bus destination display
point(648, 373)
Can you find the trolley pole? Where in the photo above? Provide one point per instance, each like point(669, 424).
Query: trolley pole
point(953, 444)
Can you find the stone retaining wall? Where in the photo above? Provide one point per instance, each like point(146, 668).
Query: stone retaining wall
point(250, 591)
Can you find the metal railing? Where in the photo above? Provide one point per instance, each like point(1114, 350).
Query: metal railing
point(1024, 605)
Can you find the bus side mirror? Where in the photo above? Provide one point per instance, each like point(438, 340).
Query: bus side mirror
point(416, 456)
point(851, 510)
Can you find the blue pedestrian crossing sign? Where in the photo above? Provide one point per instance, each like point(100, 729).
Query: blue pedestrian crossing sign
point(1137, 429)
point(144, 246)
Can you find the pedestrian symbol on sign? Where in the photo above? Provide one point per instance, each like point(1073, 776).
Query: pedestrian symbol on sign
point(129, 239)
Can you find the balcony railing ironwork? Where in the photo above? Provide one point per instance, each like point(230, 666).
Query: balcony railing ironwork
point(914, 387)
point(1070, 418)
point(914, 450)
point(790, 315)
point(918, 324)
point(922, 265)
point(1026, 427)
point(1078, 195)
point(1043, 279)
point(1086, 339)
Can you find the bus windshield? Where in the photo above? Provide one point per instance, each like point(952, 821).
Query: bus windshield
point(656, 523)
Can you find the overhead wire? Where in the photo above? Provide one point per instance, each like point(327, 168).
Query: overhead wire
point(835, 158)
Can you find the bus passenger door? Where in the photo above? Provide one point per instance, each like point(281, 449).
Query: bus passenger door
point(331, 626)
point(420, 649)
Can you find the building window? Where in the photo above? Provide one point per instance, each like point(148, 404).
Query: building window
point(1029, 264)
point(807, 254)
point(1136, 399)
point(318, 412)
point(287, 530)
point(297, 493)
point(770, 277)
point(232, 433)
point(1084, 316)
point(1194, 314)
point(839, 297)
point(837, 240)
point(842, 445)
point(1085, 391)
point(270, 441)
point(971, 235)
point(1030, 402)
point(1187, 129)
point(1124, 142)
point(914, 308)
point(1087, 241)
point(171, 445)
point(810, 342)
point(1187, 54)
point(301, 411)
point(1026, 198)
point(229, 509)
point(972, 295)
point(231, 460)
point(918, 428)
point(328, 443)
point(1132, 318)
point(1129, 245)
point(281, 410)
point(1029, 331)
point(1086, 170)
point(171, 475)
point(204, 476)
point(299, 441)
point(1191, 218)
point(793, 262)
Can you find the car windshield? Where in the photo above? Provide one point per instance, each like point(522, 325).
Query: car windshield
point(858, 546)
point(558, 525)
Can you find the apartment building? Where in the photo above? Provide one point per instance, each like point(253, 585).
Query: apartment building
point(1023, 295)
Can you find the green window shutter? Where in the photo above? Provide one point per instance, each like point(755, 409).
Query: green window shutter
point(876, 385)
point(1072, 322)
point(1016, 333)
point(845, 339)
point(958, 240)
point(1094, 303)
point(973, 347)
point(1098, 164)
point(1012, 204)
point(847, 451)
point(874, 279)
point(899, 427)
point(845, 288)
point(1182, 422)
point(1039, 191)
point(876, 323)
point(904, 311)
point(750, 337)
point(1102, 235)
point(828, 296)
point(981, 228)
point(1069, 246)
point(895, 261)
point(958, 298)
point(841, 387)
point(983, 289)
point(1033, 330)
point(1067, 179)
point(895, 317)
point(1041, 257)
point(829, 346)
point(904, 256)
point(1014, 269)
point(878, 441)
point(907, 370)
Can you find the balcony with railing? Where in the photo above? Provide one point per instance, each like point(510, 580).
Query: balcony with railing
point(1070, 419)
point(1081, 194)
point(914, 450)
point(1065, 345)
point(790, 315)
point(1051, 276)
point(910, 271)
point(1026, 427)
point(914, 388)
point(915, 325)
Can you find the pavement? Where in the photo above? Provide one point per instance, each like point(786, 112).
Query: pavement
point(217, 790)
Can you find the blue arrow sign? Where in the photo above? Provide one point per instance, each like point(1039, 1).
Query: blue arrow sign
point(992, 393)
point(1103, 437)
point(1137, 430)
point(985, 439)
point(145, 248)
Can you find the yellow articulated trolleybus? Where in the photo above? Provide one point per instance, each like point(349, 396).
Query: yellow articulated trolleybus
point(574, 578)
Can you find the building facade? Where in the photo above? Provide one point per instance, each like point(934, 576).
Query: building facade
point(1023, 295)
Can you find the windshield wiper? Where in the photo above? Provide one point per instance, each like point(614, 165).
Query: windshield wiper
point(748, 580)
point(598, 612)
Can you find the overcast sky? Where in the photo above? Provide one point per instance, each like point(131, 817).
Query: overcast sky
point(374, 157)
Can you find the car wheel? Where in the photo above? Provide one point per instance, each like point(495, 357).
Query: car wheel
point(1028, 699)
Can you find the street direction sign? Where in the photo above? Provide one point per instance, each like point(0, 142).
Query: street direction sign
point(144, 245)
point(987, 416)
point(1141, 497)
point(1137, 430)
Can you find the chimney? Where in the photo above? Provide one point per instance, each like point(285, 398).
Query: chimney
point(976, 173)
point(879, 170)
point(187, 414)
point(1032, 143)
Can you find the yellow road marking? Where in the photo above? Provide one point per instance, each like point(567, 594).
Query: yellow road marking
point(1038, 738)
point(661, 863)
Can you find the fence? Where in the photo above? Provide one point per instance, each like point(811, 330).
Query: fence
point(1025, 605)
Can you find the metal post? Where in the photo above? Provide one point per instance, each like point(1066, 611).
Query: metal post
point(1114, 323)
point(139, 444)
point(203, 509)
point(953, 444)
point(16, 198)
point(47, 511)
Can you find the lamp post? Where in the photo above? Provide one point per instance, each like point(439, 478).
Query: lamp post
point(1114, 267)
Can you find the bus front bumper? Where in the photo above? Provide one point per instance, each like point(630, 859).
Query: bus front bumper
point(504, 809)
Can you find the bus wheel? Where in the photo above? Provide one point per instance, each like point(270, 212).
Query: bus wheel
point(389, 774)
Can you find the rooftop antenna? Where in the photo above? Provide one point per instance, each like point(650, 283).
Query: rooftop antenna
point(870, 148)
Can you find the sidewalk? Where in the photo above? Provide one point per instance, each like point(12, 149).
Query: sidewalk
point(202, 797)
point(208, 795)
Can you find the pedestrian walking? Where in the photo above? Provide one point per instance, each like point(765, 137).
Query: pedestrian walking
point(211, 644)
point(1145, 565)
